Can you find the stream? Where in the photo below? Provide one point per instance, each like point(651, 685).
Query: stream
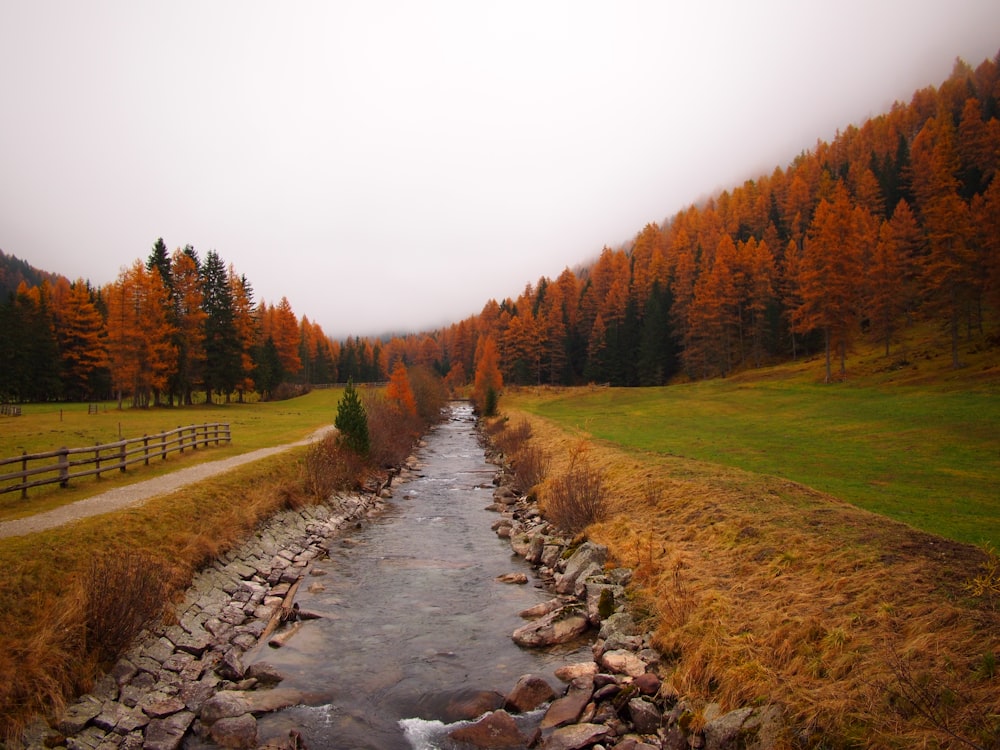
point(412, 616)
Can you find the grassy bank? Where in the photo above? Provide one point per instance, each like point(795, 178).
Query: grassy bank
point(865, 631)
point(929, 457)
point(43, 427)
point(44, 657)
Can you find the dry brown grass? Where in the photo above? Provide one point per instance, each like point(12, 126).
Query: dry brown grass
point(44, 655)
point(765, 591)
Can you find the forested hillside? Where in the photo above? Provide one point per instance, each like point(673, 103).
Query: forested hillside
point(896, 220)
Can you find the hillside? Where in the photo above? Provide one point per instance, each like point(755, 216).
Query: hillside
point(14, 271)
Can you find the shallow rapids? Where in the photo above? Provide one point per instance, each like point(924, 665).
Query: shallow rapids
point(412, 617)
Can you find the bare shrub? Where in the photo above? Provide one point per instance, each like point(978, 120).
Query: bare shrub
point(391, 433)
point(123, 592)
point(530, 465)
point(513, 437)
point(578, 498)
point(330, 467)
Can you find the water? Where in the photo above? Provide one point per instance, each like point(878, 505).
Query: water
point(413, 619)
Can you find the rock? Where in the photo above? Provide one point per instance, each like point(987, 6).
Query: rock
point(469, 704)
point(559, 626)
point(495, 730)
point(570, 672)
point(530, 692)
point(567, 709)
point(542, 609)
point(575, 737)
point(77, 716)
point(236, 731)
point(163, 707)
point(167, 733)
point(512, 578)
point(223, 705)
point(648, 683)
point(264, 673)
point(646, 717)
point(743, 728)
point(231, 667)
point(623, 662)
point(588, 558)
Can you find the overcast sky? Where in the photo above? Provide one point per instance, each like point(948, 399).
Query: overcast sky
point(391, 166)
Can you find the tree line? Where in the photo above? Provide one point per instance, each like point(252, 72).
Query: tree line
point(893, 221)
point(172, 329)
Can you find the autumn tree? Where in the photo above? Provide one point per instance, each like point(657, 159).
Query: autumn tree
point(399, 391)
point(488, 380)
point(82, 343)
point(141, 346)
point(829, 276)
point(245, 327)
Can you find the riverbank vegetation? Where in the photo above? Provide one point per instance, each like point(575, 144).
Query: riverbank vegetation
point(754, 512)
point(64, 582)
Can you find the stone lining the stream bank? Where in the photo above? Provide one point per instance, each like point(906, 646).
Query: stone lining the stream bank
point(620, 701)
point(189, 677)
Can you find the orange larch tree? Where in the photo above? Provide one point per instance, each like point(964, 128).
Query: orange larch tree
point(82, 341)
point(399, 391)
point(488, 380)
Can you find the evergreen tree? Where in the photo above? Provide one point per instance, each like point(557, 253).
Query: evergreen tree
point(352, 422)
point(223, 359)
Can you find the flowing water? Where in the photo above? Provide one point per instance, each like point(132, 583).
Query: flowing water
point(412, 618)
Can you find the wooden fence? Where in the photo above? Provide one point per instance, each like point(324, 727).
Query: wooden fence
point(62, 465)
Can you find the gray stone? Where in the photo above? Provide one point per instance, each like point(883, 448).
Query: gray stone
point(567, 709)
point(646, 717)
point(223, 705)
point(560, 626)
point(167, 733)
point(78, 715)
point(587, 558)
point(231, 667)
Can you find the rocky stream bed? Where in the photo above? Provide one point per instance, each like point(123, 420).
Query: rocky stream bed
point(185, 684)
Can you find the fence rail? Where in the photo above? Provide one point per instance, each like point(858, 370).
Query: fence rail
point(64, 463)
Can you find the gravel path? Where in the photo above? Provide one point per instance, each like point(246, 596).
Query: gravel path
point(140, 492)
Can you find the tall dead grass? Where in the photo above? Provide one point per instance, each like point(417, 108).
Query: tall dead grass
point(52, 627)
point(865, 631)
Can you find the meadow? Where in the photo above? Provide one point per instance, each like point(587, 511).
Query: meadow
point(929, 457)
point(43, 427)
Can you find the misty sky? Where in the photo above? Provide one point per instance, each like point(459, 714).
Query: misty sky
point(391, 166)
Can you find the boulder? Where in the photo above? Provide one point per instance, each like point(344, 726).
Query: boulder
point(167, 733)
point(530, 692)
point(646, 717)
point(623, 662)
point(494, 730)
point(567, 710)
point(575, 737)
point(238, 732)
point(588, 559)
point(560, 626)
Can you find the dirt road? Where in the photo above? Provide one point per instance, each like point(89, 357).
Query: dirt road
point(138, 493)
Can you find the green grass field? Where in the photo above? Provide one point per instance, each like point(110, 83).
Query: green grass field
point(44, 427)
point(926, 456)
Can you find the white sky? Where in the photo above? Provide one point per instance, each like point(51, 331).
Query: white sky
point(390, 166)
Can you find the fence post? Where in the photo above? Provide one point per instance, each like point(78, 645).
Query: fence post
point(64, 466)
point(180, 438)
point(194, 437)
point(163, 446)
point(145, 449)
point(97, 459)
point(121, 457)
point(24, 480)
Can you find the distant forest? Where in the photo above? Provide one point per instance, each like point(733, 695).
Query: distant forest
point(896, 220)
